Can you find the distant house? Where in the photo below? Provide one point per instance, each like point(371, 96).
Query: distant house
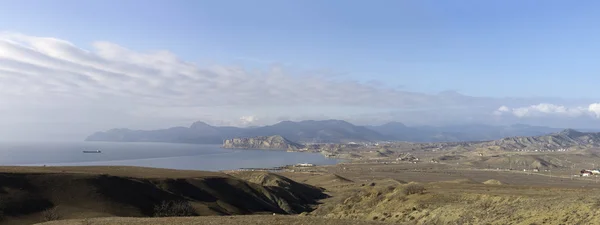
point(586, 173)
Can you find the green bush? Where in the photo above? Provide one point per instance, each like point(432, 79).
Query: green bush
point(174, 209)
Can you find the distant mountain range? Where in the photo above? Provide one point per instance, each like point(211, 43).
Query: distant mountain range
point(324, 131)
point(564, 139)
point(458, 133)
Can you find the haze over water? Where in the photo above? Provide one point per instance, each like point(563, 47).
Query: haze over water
point(159, 155)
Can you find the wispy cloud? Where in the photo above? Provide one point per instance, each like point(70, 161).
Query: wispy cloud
point(49, 67)
point(547, 109)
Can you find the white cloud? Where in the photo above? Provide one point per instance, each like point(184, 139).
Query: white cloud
point(595, 109)
point(248, 120)
point(49, 67)
point(503, 109)
point(547, 109)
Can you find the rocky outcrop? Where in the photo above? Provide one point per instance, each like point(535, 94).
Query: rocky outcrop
point(267, 142)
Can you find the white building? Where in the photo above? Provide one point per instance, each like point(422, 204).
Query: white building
point(305, 164)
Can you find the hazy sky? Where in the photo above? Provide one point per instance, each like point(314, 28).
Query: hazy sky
point(68, 68)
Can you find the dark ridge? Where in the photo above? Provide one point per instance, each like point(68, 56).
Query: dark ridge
point(25, 196)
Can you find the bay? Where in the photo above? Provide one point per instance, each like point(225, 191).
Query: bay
point(158, 155)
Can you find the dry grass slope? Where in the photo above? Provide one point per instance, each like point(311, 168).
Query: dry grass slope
point(464, 203)
point(218, 220)
point(298, 197)
point(27, 197)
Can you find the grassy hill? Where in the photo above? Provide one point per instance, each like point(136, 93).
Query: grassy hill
point(218, 220)
point(462, 202)
point(29, 194)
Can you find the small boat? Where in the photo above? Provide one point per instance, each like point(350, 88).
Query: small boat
point(94, 151)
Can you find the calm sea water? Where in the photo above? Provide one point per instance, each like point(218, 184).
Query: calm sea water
point(160, 155)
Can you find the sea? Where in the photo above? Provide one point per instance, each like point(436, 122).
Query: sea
point(158, 155)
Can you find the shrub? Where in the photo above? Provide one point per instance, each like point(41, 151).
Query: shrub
point(50, 214)
point(173, 209)
point(414, 189)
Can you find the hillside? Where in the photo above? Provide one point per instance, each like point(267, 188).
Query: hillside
point(26, 193)
point(269, 142)
point(564, 139)
point(302, 193)
point(462, 202)
point(219, 220)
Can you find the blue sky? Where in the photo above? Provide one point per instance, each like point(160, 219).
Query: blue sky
point(90, 65)
point(480, 48)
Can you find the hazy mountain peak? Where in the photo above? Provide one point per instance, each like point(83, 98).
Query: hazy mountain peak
point(315, 122)
point(324, 121)
point(571, 133)
point(337, 122)
point(119, 130)
point(199, 125)
point(285, 122)
point(451, 93)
